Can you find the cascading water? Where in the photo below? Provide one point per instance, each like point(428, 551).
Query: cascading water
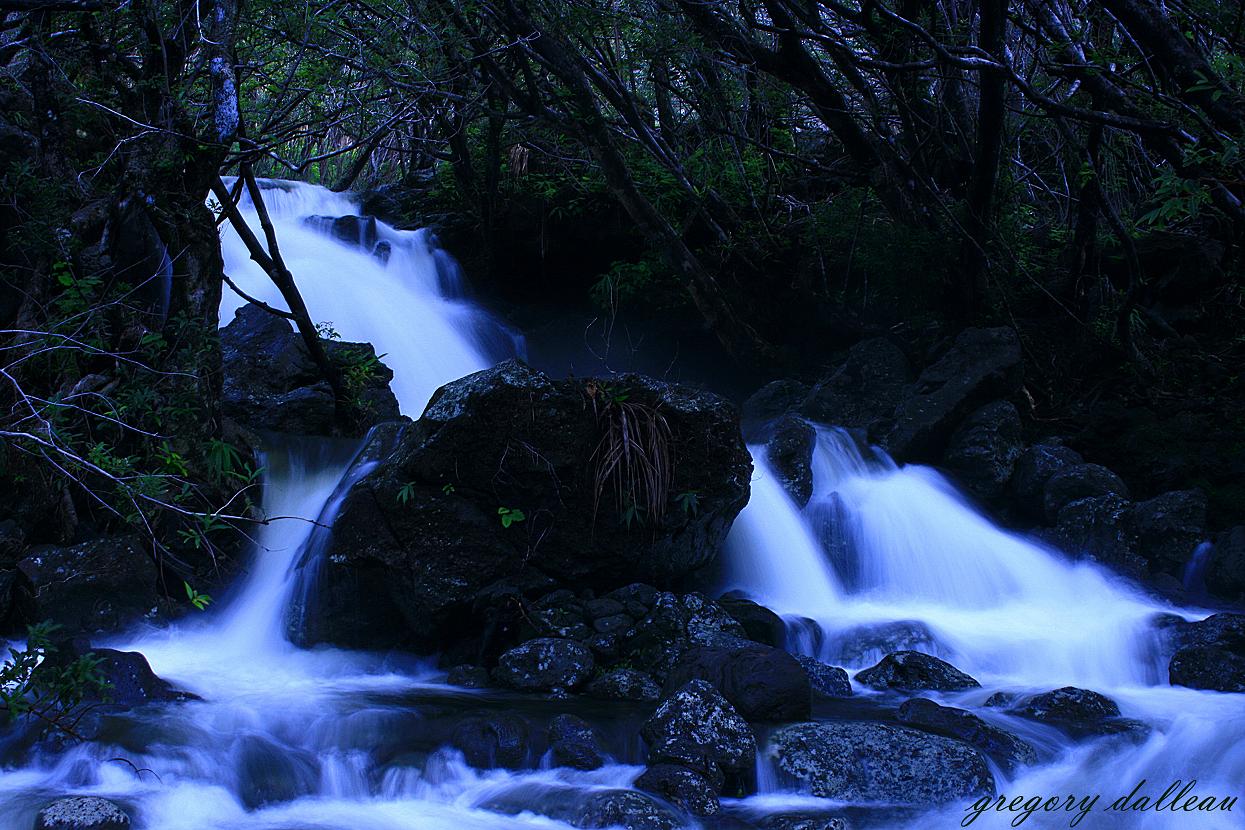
point(898, 549)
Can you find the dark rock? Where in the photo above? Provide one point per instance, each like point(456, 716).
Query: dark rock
point(762, 683)
point(573, 743)
point(101, 585)
point(12, 543)
point(468, 677)
point(983, 450)
point(131, 682)
point(872, 641)
point(271, 382)
point(353, 230)
point(698, 728)
point(1225, 575)
point(876, 762)
point(1169, 528)
point(914, 670)
point(613, 625)
point(803, 821)
point(510, 438)
point(983, 364)
point(544, 664)
point(1081, 481)
point(83, 812)
point(1034, 467)
point(790, 454)
point(492, 741)
point(674, 625)
point(760, 624)
point(595, 609)
point(864, 390)
point(829, 680)
point(588, 809)
point(1078, 712)
point(1100, 528)
point(1005, 748)
point(624, 684)
point(269, 773)
point(684, 788)
point(772, 401)
point(1208, 667)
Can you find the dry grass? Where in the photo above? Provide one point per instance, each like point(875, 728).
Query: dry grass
point(633, 464)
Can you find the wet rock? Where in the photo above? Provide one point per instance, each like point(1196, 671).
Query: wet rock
point(1034, 467)
point(101, 585)
point(82, 813)
point(492, 741)
point(587, 809)
point(1100, 528)
point(1081, 481)
point(12, 543)
point(468, 677)
point(544, 664)
point(636, 599)
point(760, 624)
point(1225, 575)
point(497, 483)
point(881, 763)
point(269, 773)
point(872, 641)
point(772, 401)
point(696, 727)
point(1079, 712)
point(1009, 751)
point(984, 449)
point(803, 821)
point(685, 788)
point(614, 624)
point(762, 683)
point(131, 682)
point(353, 230)
point(676, 624)
point(624, 684)
point(572, 743)
point(790, 454)
point(1169, 527)
point(914, 670)
point(1208, 667)
point(864, 390)
point(828, 680)
point(271, 382)
point(983, 364)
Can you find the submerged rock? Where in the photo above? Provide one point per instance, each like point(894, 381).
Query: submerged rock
point(877, 762)
point(762, 683)
point(506, 476)
point(1169, 528)
point(1009, 751)
point(873, 641)
point(864, 391)
point(269, 773)
point(1210, 654)
point(1080, 481)
point(544, 665)
point(914, 670)
point(1225, 574)
point(587, 809)
point(82, 813)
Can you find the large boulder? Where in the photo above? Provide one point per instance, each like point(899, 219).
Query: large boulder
point(697, 728)
point(82, 812)
point(864, 390)
point(1099, 528)
point(100, 586)
point(572, 743)
point(1169, 528)
point(1225, 574)
point(790, 455)
point(510, 476)
point(1080, 481)
point(545, 664)
point(984, 449)
point(1210, 654)
point(762, 683)
point(914, 671)
point(271, 382)
point(1034, 467)
point(1079, 712)
point(878, 762)
point(1005, 748)
point(983, 364)
point(870, 642)
point(594, 809)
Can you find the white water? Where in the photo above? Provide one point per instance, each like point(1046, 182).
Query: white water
point(1012, 613)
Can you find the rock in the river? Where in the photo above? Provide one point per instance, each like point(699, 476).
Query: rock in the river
point(803, 821)
point(1225, 575)
point(131, 682)
point(982, 365)
point(760, 624)
point(698, 728)
point(493, 740)
point(983, 450)
point(271, 382)
point(1005, 748)
point(831, 681)
point(544, 664)
point(790, 454)
point(1100, 528)
point(676, 624)
point(762, 683)
point(1078, 712)
point(587, 809)
point(624, 684)
point(1034, 467)
point(772, 401)
point(572, 743)
point(506, 475)
point(270, 773)
point(864, 390)
point(914, 671)
point(879, 762)
point(83, 812)
point(1169, 528)
point(97, 586)
point(1081, 481)
point(1210, 654)
point(685, 788)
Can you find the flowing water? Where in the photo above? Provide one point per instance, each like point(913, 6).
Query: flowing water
point(291, 739)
